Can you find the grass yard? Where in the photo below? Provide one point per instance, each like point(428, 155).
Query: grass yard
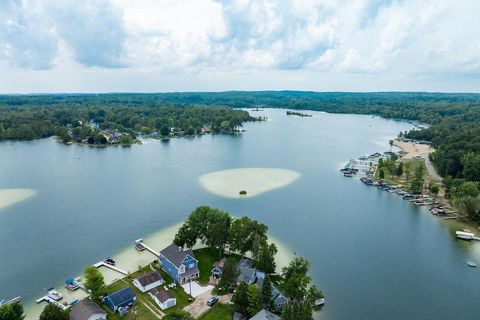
point(219, 312)
point(206, 257)
point(178, 292)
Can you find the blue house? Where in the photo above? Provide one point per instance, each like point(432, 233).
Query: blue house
point(121, 299)
point(179, 264)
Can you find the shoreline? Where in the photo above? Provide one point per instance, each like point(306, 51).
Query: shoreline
point(131, 260)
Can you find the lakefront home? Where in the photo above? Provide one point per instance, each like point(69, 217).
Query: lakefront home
point(180, 264)
point(148, 281)
point(86, 309)
point(120, 299)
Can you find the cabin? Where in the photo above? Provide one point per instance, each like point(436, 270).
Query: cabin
point(247, 273)
point(123, 298)
point(180, 264)
point(163, 298)
point(86, 309)
point(148, 281)
point(265, 315)
point(218, 269)
point(279, 300)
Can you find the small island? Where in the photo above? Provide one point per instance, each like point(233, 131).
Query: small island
point(298, 114)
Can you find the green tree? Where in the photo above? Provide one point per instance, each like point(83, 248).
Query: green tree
point(12, 311)
point(448, 185)
point(94, 282)
point(266, 258)
point(240, 298)
point(299, 290)
point(381, 174)
point(471, 166)
point(407, 168)
point(433, 188)
point(52, 312)
point(380, 162)
point(468, 188)
point(165, 130)
point(253, 297)
point(416, 186)
point(230, 272)
point(266, 294)
point(469, 206)
point(399, 171)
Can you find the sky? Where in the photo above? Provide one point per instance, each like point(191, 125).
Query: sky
point(217, 45)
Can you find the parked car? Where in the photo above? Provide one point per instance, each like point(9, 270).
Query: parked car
point(212, 301)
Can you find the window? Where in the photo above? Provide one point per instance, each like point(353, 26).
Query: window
point(192, 265)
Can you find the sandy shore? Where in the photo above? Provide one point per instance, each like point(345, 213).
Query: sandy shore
point(9, 197)
point(228, 183)
point(131, 260)
point(413, 149)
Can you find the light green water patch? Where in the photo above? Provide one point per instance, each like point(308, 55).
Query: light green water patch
point(255, 181)
point(10, 197)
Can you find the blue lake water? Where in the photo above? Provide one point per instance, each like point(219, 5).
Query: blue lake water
point(374, 255)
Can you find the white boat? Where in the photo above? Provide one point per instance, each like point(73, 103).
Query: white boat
point(464, 235)
point(54, 294)
point(471, 264)
point(319, 302)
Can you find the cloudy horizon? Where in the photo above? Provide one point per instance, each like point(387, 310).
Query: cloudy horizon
point(218, 45)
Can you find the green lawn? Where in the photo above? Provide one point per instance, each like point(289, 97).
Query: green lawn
point(206, 257)
point(144, 312)
point(219, 312)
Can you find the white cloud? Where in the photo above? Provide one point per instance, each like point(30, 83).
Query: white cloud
point(394, 43)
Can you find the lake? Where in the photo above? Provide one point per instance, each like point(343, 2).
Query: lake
point(373, 255)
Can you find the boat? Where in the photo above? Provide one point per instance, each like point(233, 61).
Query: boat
point(348, 174)
point(109, 261)
point(54, 294)
point(471, 264)
point(319, 302)
point(139, 245)
point(71, 284)
point(464, 235)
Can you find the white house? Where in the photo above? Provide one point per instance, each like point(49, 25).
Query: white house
point(163, 298)
point(148, 281)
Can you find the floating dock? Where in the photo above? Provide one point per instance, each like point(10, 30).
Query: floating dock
point(103, 264)
point(50, 300)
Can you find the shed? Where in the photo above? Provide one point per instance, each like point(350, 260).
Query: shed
point(122, 298)
point(163, 298)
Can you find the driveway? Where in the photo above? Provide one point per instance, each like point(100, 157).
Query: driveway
point(199, 306)
point(197, 289)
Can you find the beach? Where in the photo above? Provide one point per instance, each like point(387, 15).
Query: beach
point(413, 149)
point(255, 181)
point(10, 197)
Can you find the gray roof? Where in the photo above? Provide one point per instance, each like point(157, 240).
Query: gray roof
point(176, 255)
point(189, 272)
point(162, 295)
point(149, 278)
point(265, 315)
point(84, 309)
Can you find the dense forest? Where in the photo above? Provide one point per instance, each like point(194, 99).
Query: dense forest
point(453, 118)
point(31, 117)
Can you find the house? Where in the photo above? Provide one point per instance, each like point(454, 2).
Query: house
point(121, 299)
point(247, 273)
point(86, 309)
point(218, 268)
point(180, 264)
point(148, 281)
point(250, 275)
point(163, 298)
point(265, 315)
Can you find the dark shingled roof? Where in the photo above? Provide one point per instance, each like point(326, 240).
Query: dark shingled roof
point(149, 278)
point(162, 295)
point(84, 309)
point(175, 254)
point(121, 296)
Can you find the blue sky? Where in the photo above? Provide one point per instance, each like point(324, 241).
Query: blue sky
point(214, 45)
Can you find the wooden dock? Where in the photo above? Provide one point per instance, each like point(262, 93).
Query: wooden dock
point(56, 303)
point(154, 252)
point(104, 264)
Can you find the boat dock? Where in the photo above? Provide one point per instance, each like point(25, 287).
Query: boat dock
point(50, 300)
point(154, 252)
point(103, 264)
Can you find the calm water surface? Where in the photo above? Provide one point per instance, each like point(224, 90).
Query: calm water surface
point(374, 255)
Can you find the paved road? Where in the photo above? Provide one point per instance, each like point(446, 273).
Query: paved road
point(431, 169)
